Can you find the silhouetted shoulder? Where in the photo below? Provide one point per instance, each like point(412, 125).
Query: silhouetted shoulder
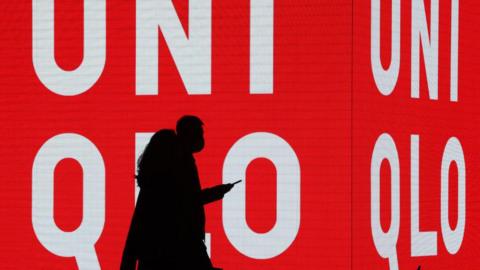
point(158, 158)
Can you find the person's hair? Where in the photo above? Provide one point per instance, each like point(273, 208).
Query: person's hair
point(186, 123)
point(157, 158)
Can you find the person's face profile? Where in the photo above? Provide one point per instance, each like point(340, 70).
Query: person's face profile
point(198, 142)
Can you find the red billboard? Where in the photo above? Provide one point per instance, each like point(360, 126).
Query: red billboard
point(414, 162)
point(352, 123)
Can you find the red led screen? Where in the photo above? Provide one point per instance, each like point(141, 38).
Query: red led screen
point(352, 123)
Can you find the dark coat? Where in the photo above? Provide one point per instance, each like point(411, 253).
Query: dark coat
point(168, 224)
point(152, 238)
point(193, 198)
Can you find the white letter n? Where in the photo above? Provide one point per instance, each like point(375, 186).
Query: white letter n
point(429, 46)
point(191, 53)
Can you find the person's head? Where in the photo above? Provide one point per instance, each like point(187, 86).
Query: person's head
point(190, 133)
point(156, 160)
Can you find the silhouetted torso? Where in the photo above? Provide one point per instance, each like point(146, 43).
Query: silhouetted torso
point(152, 235)
point(192, 206)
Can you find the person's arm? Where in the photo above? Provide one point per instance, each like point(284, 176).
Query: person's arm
point(215, 193)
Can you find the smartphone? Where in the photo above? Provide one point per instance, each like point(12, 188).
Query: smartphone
point(236, 182)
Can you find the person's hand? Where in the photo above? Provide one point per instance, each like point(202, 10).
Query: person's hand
point(226, 188)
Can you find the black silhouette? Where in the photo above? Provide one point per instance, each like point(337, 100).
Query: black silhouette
point(149, 238)
point(192, 230)
point(168, 225)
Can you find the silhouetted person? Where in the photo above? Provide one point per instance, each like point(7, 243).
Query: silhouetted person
point(152, 232)
point(192, 225)
point(168, 225)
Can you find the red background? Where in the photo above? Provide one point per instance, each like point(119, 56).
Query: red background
point(435, 121)
point(310, 109)
point(325, 105)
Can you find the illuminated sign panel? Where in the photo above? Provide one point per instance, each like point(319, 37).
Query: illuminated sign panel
point(415, 141)
point(351, 123)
